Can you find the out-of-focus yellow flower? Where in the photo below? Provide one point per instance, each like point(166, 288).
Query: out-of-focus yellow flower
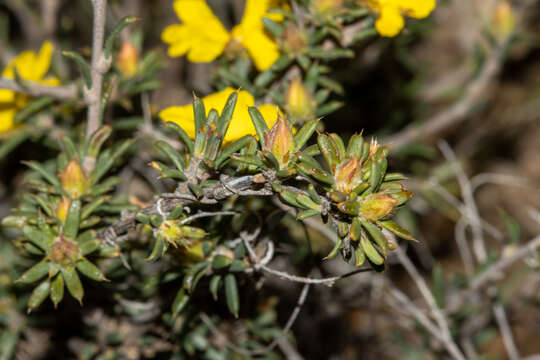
point(30, 66)
point(391, 13)
point(504, 20)
point(203, 38)
point(241, 123)
point(128, 59)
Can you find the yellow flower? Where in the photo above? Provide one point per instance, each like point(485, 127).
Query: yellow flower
point(391, 13)
point(30, 66)
point(241, 123)
point(203, 38)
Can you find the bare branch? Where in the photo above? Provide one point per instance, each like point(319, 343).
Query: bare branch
point(99, 67)
point(456, 113)
point(67, 92)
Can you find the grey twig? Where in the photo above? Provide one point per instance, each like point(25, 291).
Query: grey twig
point(440, 318)
point(202, 214)
point(506, 332)
point(456, 113)
point(67, 92)
point(99, 66)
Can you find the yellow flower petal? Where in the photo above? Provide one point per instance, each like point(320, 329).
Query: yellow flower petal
point(390, 21)
point(201, 35)
point(7, 113)
point(262, 49)
point(418, 9)
point(241, 123)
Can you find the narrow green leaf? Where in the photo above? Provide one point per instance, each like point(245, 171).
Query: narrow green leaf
point(328, 150)
point(89, 208)
point(360, 257)
point(83, 65)
point(226, 114)
point(57, 290)
point(35, 273)
point(88, 242)
point(356, 229)
point(172, 154)
point(304, 214)
point(183, 136)
point(109, 43)
point(232, 148)
point(259, 123)
point(90, 270)
point(371, 252)
point(39, 294)
point(49, 176)
point(97, 139)
point(215, 283)
point(393, 227)
point(303, 135)
point(71, 226)
point(73, 283)
point(220, 262)
point(376, 234)
point(32, 107)
point(334, 250)
point(39, 238)
point(180, 302)
point(231, 294)
point(273, 27)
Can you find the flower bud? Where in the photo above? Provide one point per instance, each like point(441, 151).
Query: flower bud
point(503, 19)
point(293, 40)
point(328, 8)
point(299, 101)
point(74, 181)
point(376, 206)
point(62, 208)
point(127, 59)
point(64, 252)
point(280, 141)
point(348, 175)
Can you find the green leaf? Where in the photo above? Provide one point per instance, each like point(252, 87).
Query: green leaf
point(89, 208)
point(360, 257)
point(375, 177)
point(215, 283)
point(71, 226)
point(97, 139)
point(180, 302)
point(49, 176)
point(356, 229)
point(57, 290)
point(437, 276)
point(237, 266)
point(393, 227)
point(83, 65)
point(226, 114)
point(39, 294)
point(371, 252)
point(259, 123)
point(306, 202)
point(172, 154)
point(334, 250)
point(158, 250)
point(220, 262)
point(32, 107)
point(304, 214)
point(232, 148)
point(329, 108)
point(248, 159)
point(231, 294)
point(88, 242)
point(90, 270)
point(355, 145)
point(183, 135)
point(73, 283)
point(273, 27)
point(325, 54)
point(376, 234)
point(303, 135)
point(328, 150)
point(339, 145)
point(109, 43)
point(35, 273)
point(39, 238)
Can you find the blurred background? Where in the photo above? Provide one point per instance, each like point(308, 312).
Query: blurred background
point(455, 95)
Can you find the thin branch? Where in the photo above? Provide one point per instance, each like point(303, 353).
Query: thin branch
point(440, 318)
point(67, 92)
point(506, 332)
point(99, 67)
point(500, 266)
point(456, 113)
point(202, 214)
